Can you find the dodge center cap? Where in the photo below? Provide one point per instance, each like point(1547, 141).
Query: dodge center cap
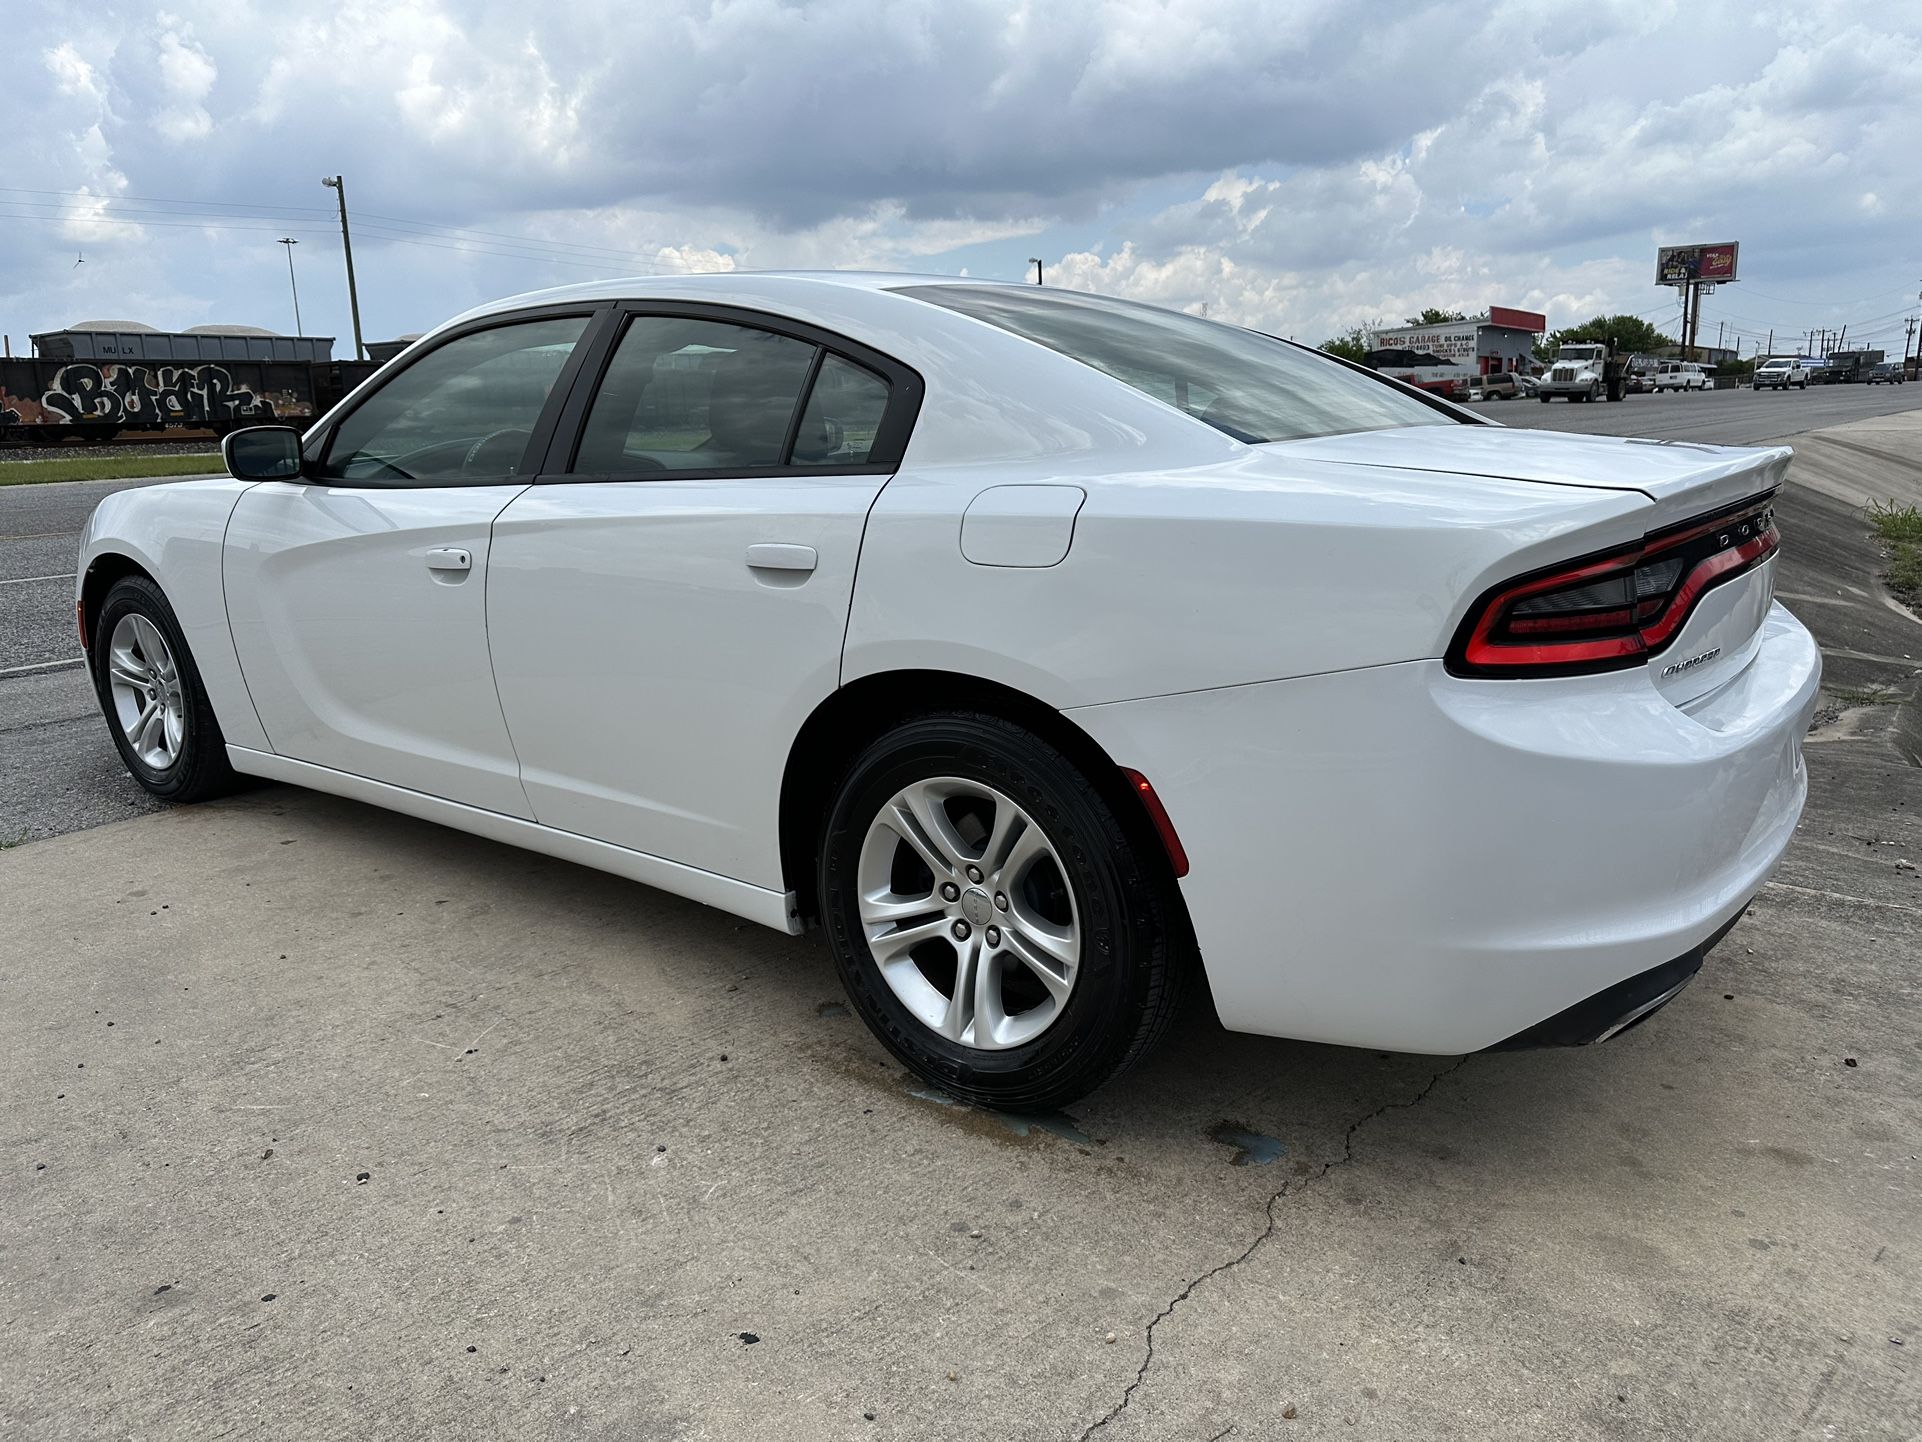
point(976, 906)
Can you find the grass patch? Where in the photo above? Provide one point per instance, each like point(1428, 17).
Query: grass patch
point(1866, 696)
point(1895, 523)
point(106, 468)
point(1901, 527)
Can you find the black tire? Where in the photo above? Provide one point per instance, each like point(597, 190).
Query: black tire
point(1135, 956)
point(199, 771)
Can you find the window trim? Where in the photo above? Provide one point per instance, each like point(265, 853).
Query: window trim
point(596, 313)
point(906, 391)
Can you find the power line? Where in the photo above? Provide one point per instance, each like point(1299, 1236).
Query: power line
point(97, 205)
point(604, 266)
point(162, 200)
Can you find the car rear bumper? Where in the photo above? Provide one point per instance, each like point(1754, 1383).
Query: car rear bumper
point(1400, 858)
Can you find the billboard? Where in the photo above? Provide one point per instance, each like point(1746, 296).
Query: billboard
point(1681, 264)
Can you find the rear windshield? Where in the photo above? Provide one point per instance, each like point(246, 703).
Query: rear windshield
point(1252, 386)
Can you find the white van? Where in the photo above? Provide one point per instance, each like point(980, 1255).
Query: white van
point(1681, 376)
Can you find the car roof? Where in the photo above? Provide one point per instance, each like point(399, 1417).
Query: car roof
point(720, 285)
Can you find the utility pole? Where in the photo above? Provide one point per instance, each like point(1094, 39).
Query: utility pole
point(290, 243)
point(1035, 261)
point(1771, 349)
point(339, 187)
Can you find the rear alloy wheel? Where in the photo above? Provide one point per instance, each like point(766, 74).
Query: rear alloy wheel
point(150, 691)
point(995, 923)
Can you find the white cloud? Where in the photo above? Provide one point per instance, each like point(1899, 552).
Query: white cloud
point(1308, 172)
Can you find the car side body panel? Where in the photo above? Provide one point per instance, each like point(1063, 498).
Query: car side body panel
point(652, 674)
point(1400, 858)
point(361, 652)
point(1261, 567)
point(175, 533)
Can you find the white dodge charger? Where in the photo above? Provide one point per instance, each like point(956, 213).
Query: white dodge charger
point(1045, 650)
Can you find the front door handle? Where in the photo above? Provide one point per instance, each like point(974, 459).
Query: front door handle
point(450, 558)
point(776, 556)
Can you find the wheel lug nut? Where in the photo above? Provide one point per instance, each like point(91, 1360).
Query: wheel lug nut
point(994, 936)
point(961, 930)
point(950, 892)
point(1001, 901)
point(974, 874)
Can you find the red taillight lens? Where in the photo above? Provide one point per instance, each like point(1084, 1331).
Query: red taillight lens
point(1615, 609)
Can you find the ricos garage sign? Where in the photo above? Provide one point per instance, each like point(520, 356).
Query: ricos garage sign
point(1453, 342)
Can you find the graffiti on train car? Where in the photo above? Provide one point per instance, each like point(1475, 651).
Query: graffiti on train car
point(25, 411)
point(83, 391)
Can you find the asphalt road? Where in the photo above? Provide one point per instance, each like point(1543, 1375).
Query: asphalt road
point(1726, 418)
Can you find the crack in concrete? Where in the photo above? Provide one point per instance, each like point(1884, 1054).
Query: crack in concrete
point(1346, 1158)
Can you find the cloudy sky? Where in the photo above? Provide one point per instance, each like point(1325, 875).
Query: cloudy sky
point(1297, 165)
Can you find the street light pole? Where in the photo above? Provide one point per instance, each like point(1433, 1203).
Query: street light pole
point(1035, 261)
point(339, 187)
point(290, 243)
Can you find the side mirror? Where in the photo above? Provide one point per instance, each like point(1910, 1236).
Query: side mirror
point(262, 453)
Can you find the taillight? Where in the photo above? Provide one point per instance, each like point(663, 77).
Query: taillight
point(1614, 609)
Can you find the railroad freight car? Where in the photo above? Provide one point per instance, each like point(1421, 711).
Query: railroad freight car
point(96, 381)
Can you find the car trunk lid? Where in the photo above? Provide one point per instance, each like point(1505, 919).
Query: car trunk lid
point(1683, 480)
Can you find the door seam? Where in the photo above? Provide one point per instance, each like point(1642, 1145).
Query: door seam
point(487, 639)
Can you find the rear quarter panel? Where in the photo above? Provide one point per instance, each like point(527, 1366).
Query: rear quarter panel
point(1253, 569)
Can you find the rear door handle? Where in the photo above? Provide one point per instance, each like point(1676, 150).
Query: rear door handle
point(450, 558)
point(776, 556)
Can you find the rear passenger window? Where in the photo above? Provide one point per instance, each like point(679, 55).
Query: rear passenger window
point(843, 415)
point(695, 395)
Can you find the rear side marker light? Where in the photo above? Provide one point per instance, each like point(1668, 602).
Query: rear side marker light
point(1158, 814)
point(1616, 609)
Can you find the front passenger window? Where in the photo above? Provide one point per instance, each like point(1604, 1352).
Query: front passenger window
point(465, 411)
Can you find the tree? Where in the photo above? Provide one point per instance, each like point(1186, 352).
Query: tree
point(1431, 316)
point(1351, 344)
point(1629, 334)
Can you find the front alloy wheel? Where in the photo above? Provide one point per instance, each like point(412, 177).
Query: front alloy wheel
point(150, 691)
point(144, 682)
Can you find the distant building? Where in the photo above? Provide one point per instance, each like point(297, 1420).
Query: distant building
point(1446, 357)
point(1704, 354)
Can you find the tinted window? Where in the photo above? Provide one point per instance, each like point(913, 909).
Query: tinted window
point(463, 411)
point(1252, 386)
point(843, 414)
point(694, 395)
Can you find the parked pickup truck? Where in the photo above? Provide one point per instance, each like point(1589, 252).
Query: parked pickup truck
point(1780, 373)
